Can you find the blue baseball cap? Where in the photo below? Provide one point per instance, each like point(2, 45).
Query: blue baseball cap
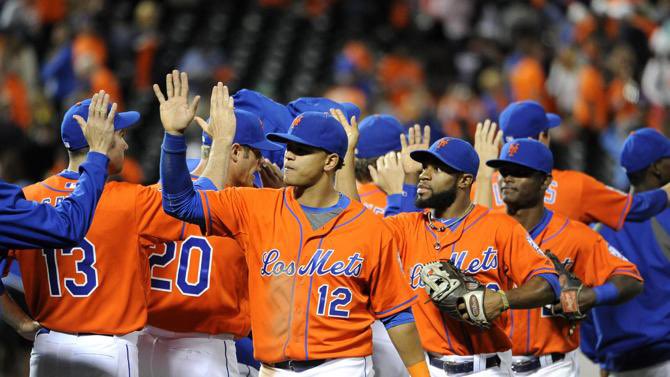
point(248, 131)
point(525, 119)
point(379, 134)
point(275, 116)
point(315, 129)
point(525, 152)
point(321, 104)
point(71, 133)
point(456, 153)
point(642, 148)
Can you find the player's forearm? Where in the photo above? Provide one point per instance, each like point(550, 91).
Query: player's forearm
point(617, 290)
point(534, 293)
point(345, 178)
point(179, 197)
point(217, 164)
point(406, 340)
point(15, 317)
point(484, 192)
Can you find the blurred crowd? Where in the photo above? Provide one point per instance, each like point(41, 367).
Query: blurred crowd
point(603, 65)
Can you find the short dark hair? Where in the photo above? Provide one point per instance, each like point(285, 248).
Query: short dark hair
point(361, 168)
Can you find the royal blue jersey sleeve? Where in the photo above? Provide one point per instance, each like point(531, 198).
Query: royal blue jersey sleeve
point(647, 204)
point(179, 197)
point(25, 224)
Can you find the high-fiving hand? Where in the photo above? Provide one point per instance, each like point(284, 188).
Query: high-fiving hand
point(222, 123)
point(176, 113)
point(98, 129)
point(412, 142)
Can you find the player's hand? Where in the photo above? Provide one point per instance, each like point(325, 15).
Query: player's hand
point(487, 144)
point(176, 113)
point(350, 127)
point(412, 142)
point(389, 174)
point(222, 116)
point(493, 306)
point(98, 129)
point(27, 329)
point(271, 175)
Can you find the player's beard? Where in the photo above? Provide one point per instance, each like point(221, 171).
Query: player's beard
point(438, 200)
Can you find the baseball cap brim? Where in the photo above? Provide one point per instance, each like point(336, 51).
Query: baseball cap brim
point(125, 119)
point(284, 138)
point(265, 145)
point(498, 163)
point(424, 156)
point(553, 120)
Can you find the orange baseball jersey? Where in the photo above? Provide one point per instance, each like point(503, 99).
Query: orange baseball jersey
point(579, 197)
point(492, 247)
point(313, 293)
point(590, 257)
point(100, 286)
point(372, 197)
point(198, 284)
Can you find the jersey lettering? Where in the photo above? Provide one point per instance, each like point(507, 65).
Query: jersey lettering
point(551, 193)
point(489, 261)
point(84, 266)
point(340, 297)
point(186, 287)
point(415, 277)
point(319, 264)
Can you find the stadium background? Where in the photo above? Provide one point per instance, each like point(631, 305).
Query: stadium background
point(603, 65)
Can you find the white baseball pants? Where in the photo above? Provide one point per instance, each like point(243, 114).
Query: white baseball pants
point(169, 354)
point(57, 354)
point(568, 367)
point(349, 367)
point(504, 370)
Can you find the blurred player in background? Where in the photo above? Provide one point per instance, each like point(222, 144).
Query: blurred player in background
point(633, 339)
point(544, 345)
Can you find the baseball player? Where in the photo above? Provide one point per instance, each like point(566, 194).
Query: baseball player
point(25, 224)
point(91, 299)
point(198, 303)
point(491, 247)
point(544, 345)
point(633, 339)
point(572, 193)
point(321, 266)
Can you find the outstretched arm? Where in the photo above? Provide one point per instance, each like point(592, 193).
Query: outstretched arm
point(487, 145)
point(26, 224)
point(345, 178)
point(179, 198)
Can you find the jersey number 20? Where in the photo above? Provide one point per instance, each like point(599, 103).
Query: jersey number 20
point(84, 267)
point(187, 247)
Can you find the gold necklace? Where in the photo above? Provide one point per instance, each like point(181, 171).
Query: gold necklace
point(444, 227)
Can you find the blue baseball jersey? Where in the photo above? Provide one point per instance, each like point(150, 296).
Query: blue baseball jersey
point(25, 224)
point(635, 334)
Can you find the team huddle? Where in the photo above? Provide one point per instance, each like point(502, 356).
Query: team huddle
point(337, 248)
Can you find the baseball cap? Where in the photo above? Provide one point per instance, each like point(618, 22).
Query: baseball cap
point(248, 131)
point(379, 134)
point(275, 116)
point(455, 153)
point(525, 119)
point(642, 148)
point(321, 104)
point(71, 133)
point(525, 152)
point(315, 129)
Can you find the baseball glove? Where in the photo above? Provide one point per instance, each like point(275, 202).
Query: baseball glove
point(449, 287)
point(571, 287)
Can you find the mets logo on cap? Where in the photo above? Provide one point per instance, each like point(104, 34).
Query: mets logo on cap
point(513, 149)
point(296, 121)
point(442, 143)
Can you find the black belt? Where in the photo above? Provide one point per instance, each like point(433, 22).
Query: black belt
point(454, 367)
point(297, 365)
point(534, 363)
point(44, 330)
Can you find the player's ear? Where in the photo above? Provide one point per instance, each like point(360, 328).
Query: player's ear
point(236, 152)
point(465, 180)
point(546, 182)
point(332, 162)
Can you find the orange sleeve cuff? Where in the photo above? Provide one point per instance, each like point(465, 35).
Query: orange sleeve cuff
point(419, 369)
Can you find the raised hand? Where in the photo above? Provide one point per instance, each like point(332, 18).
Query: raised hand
point(271, 175)
point(222, 116)
point(176, 113)
point(487, 142)
point(98, 129)
point(412, 142)
point(350, 127)
point(389, 174)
